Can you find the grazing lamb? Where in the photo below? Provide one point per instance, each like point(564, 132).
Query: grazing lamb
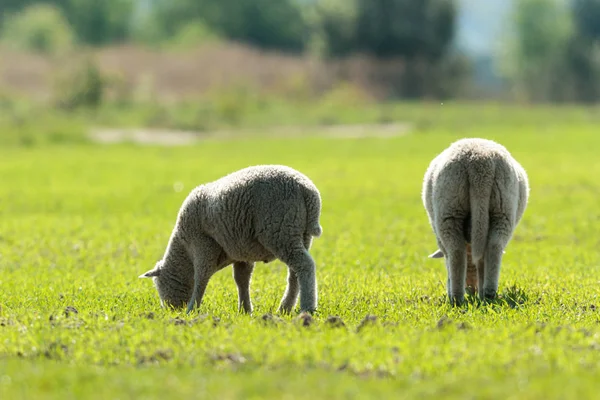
point(475, 194)
point(258, 213)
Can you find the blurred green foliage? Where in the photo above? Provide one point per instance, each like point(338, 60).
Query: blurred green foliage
point(551, 51)
point(380, 27)
point(81, 86)
point(93, 22)
point(41, 27)
point(554, 51)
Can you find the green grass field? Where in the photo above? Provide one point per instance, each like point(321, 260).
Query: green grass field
point(79, 223)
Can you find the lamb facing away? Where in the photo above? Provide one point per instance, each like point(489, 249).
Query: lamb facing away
point(258, 213)
point(475, 194)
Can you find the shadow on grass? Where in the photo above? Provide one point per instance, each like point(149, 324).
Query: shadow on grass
point(512, 297)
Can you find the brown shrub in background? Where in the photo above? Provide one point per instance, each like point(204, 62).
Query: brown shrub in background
point(172, 75)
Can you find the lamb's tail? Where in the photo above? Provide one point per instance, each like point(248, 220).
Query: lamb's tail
point(480, 192)
point(312, 199)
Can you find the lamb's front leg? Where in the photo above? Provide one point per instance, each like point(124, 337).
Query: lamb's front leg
point(205, 253)
point(457, 274)
point(472, 280)
point(242, 274)
point(202, 275)
point(290, 297)
point(480, 277)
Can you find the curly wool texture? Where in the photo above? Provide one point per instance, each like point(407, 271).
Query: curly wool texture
point(475, 194)
point(259, 213)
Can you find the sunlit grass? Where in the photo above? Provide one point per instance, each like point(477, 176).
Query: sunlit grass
point(78, 224)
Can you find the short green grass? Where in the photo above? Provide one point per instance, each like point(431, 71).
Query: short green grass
point(79, 223)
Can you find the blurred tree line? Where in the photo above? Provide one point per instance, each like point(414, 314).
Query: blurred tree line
point(94, 22)
point(382, 27)
point(553, 52)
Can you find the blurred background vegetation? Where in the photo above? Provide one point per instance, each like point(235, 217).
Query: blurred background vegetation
point(200, 64)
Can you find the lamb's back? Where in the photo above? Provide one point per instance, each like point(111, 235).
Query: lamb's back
point(252, 188)
point(472, 154)
point(234, 209)
point(465, 164)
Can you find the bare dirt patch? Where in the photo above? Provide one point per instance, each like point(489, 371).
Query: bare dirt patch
point(144, 136)
point(167, 137)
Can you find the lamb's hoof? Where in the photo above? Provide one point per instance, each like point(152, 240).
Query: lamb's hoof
point(456, 300)
point(489, 295)
point(190, 307)
point(284, 310)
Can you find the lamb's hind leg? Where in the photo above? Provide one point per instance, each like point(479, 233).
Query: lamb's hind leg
point(290, 297)
point(499, 236)
point(302, 265)
point(452, 239)
point(242, 274)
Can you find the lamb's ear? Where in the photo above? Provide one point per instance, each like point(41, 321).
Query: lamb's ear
point(437, 254)
point(152, 273)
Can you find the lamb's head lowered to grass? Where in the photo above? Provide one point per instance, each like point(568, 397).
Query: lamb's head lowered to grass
point(475, 194)
point(259, 213)
point(173, 291)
